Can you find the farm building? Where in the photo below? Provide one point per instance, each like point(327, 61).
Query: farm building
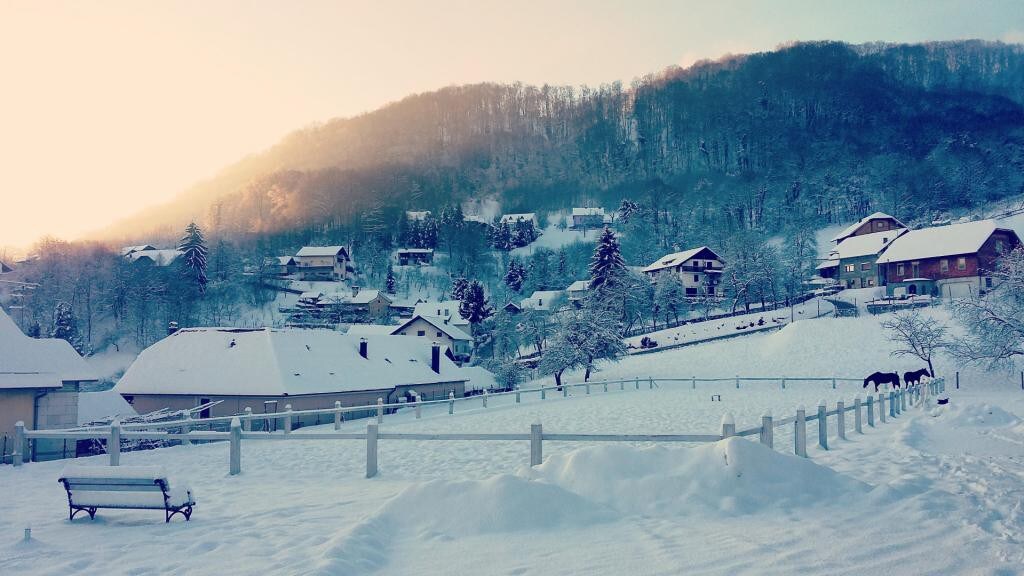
point(877, 222)
point(699, 269)
point(853, 261)
point(589, 218)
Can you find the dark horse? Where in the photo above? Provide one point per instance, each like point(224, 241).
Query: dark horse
point(915, 376)
point(879, 378)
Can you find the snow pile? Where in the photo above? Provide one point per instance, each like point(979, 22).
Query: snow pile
point(100, 406)
point(981, 416)
point(731, 477)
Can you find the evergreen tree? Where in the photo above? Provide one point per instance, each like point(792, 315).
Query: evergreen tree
point(389, 281)
point(65, 327)
point(607, 266)
point(193, 248)
point(459, 287)
point(474, 306)
point(516, 275)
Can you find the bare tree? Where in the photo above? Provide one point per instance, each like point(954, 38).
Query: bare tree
point(917, 335)
point(995, 321)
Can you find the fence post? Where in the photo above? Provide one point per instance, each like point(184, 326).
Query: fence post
point(693, 382)
point(371, 450)
point(236, 447)
point(337, 414)
point(881, 407)
point(728, 425)
point(841, 419)
point(800, 432)
point(871, 411)
point(536, 446)
point(737, 381)
point(114, 443)
point(19, 443)
point(518, 399)
point(587, 386)
point(650, 382)
point(857, 415)
point(892, 404)
point(903, 400)
point(186, 428)
point(247, 423)
point(833, 382)
point(622, 385)
point(605, 385)
point(380, 410)
point(565, 390)
point(288, 419)
point(543, 393)
point(485, 397)
point(783, 382)
point(637, 382)
point(451, 402)
point(822, 425)
point(767, 430)
point(957, 379)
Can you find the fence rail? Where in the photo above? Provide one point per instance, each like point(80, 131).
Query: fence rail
point(897, 401)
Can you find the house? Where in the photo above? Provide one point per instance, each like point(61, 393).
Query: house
point(279, 265)
point(40, 381)
point(513, 219)
point(699, 269)
point(266, 369)
point(543, 300)
point(154, 257)
point(951, 261)
point(577, 291)
point(456, 338)
point(368, 303)
point(126, 250)
point(446, 309)
point(322, 262)
point(4, 268)
point(370, 329)
point(512, 307)
point(852, 261)
point(417, 215)
point(877, 222)
point(415, 256)
point(583, 218)
point(322, 309)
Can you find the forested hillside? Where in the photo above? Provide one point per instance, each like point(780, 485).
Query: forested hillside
point(824, 132)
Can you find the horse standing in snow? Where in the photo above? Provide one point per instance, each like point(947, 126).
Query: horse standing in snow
point(879, 378)
point(915, 376)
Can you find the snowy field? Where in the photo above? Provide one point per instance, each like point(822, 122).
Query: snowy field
point(933, 492)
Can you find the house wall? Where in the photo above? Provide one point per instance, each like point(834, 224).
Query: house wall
point(324, 266)
point(860, 278)
point(431, 333)
point(954, 282)
point(58, 409)
point(876, 225)
point(15, 404)
point(588, 221)
point(694, 267)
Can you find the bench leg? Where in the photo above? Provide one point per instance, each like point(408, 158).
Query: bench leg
point(74, 510)
point(185, 511)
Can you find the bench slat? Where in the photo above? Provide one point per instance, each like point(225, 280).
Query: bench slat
point(114, 480)
point(113, 488)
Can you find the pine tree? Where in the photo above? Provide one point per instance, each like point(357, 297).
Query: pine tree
point(459, 287)
point(193, 248)
point(516, 275)
point(607, 265)
point(65, 327)
point(389, 281)
point(474, 306)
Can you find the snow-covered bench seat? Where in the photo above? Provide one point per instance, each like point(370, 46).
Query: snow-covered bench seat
point(127, 487)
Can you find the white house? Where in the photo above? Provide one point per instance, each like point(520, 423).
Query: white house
point(446, 309)
point(577, 290)
point(322, 262)
point(699, 269)
point(543, 300)
point(436, 329)
point(589, 217)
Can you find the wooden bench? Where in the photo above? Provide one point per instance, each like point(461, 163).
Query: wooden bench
point(90, 488)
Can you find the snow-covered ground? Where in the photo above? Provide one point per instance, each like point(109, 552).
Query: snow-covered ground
point(933, 492)
point(554, 238)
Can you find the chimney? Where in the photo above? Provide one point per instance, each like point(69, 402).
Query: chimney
point(435, 358)
point(362, 347)
point(355, 290)
point(172, 327)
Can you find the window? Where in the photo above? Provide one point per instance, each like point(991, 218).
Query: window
point(988, 284)
point(421, 332)
point(899, 270)
point(880, 225)
point(691, 291)
point(915, 269)
point(871, 281)
point(961, 263)
point(696, 278)
point(865, 265)
point(438, 334)
point(707, 264)
point(944, 265)
point(849, 268)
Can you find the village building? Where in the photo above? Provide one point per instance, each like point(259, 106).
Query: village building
point(445, 309)
point(952, 261)
point(513, 219)
point(279, 265)
point(577, 291)
point(584, 218)
point(415, 256)
point(266, 369)
point(154, 256)
point(126, 250)
point(318, 308)
point(40, 380)
point(852, 263)
point(543, 300)
point(4, 268)
point(877, 222)
point(436, 329)
point(322, 262)
point(512, 307)
point(417, 215)
point(699, 269)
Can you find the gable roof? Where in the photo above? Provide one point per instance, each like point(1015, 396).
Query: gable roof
point(510, 218)
point(853, 227)
point(447, 309)
point(4, 268)
point(677, 258)
point(126, 250)
point(38, 362)
point(579, 286)
point(588, 212)
point(272, 362)
point(542, 299)
point(163, 257)
point(283, 260)
point(865, 244)
point(366, 296)
point(452, 331)
point(951, 240)
point(310, 251)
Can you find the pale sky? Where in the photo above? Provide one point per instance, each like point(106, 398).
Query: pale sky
point(109, 107)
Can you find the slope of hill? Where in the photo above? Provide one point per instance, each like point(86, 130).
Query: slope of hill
point(822, 131)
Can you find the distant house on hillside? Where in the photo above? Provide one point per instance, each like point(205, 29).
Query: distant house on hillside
point(512, 307)
point(577, 291)
point(415, 256)
point(267, 369)
point(583, 218)
point(436, 329)
point(4, 268)
point(543, 300)
point(154, 257)
point(950, 261)
point(322, 309)
point(126, 250)
point(322, 262)
point(417, 214)
point(699, 269)
point(279, 265)
point(40, 380)
point(852, 261)
point(877, 222)
point(446, 309)
point(513, 219)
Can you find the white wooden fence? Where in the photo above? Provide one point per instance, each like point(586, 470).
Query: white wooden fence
point(894, 402)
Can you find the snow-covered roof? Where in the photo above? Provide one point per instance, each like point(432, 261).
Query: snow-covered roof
point(364, 296)
point(4, 268)
point(588, 212)
point(126, 250)
point(309, 251)
point(832, 263)
point(453, 331)
point(579, 286)
point(541, 299)
point(415, 250)
point(865, 244)
point(283, 260)
point(159, 257)
point(371, 329)
point(448, 309)
point(677, 258)
point(37, 362)
point(99, 406)
point(271, 362)
point(952, 240)
point(480, 378)
point(417, 214)
point(853, 227)
point(512, 218)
